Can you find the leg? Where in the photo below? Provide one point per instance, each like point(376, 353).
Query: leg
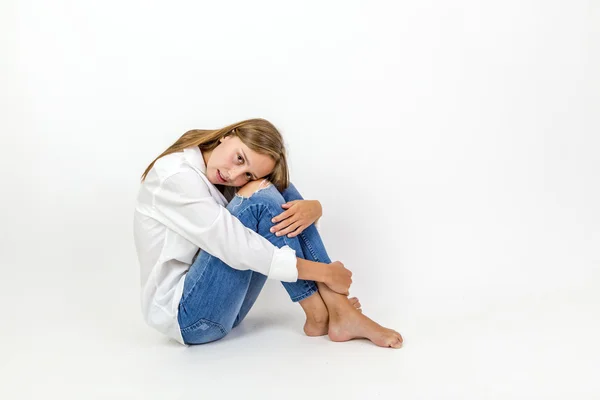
point(212, 298)
point(345, 321)
point(310, 247)
point(302, 291)
point(257, 282)
point(217, 297)
point(306, 292)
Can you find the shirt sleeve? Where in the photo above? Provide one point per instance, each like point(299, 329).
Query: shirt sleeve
point(184, 204)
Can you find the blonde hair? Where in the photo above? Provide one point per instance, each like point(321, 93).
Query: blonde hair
point(258, 134)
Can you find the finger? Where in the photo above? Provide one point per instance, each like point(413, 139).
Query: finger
point(281, 216)
point(298, 231)
point(292, 227)
point(289, 204)
point(282, 225)
point(344, 292)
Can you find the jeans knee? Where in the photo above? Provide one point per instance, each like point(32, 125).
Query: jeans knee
point(268, 197)
point(204, 331)
point(252, 187)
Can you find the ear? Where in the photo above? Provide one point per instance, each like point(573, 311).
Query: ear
point(224, 138)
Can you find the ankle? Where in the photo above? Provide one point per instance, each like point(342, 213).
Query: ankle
point(315, 309)
point(317, 314)
point(318, 317)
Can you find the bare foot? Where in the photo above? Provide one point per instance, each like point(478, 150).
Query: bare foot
point(317, 318)
point(346, 323)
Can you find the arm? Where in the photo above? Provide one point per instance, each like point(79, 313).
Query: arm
point(310, 270)
point(184, 204)
point(336, 276)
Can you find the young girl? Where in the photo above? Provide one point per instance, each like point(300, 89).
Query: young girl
point(205, 250)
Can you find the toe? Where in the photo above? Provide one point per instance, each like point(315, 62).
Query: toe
point(396, 344)
point(354, 302)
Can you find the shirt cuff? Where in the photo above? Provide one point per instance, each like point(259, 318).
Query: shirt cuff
point(283, 266)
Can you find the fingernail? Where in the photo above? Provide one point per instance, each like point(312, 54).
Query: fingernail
point(272, 229)
point(278, 233)
point(273, 220)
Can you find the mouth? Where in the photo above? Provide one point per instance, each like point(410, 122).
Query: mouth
point(220, 177)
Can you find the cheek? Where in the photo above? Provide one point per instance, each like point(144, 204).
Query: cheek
point(239, 182)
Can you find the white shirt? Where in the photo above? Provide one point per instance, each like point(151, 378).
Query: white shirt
point(178, 212)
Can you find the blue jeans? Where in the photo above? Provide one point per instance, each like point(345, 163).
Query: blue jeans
point(216, 297)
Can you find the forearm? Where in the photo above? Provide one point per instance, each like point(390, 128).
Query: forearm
point(311, 270)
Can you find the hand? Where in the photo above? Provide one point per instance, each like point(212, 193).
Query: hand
point(338, 278)
point(300, 214)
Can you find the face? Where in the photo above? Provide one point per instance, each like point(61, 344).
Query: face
point(236, 163)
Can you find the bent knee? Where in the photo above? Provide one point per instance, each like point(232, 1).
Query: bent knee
point(252, 187)
point(204, 331)
point(206, 339)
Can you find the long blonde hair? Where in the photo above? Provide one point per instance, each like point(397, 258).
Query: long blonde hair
point(258, 134)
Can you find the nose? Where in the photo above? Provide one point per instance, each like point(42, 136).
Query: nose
point(235, 173)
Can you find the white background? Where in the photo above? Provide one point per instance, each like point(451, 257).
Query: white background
point(453, 145)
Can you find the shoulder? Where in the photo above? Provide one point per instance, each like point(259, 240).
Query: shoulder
point(186, 180)
point(169, 165)
point(176, 167)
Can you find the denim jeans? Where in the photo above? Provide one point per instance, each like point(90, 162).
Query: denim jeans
point(216, 297)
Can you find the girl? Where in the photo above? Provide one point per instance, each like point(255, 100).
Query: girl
point(206, 240)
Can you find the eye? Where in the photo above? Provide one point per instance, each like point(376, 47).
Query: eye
point(240, 158)
point(249, 176)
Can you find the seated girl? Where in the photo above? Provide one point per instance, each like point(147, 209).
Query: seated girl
point(209, 231)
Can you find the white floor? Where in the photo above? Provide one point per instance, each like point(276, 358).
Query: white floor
point(543, 349)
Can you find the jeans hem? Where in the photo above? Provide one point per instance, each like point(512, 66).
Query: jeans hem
point(304, 295)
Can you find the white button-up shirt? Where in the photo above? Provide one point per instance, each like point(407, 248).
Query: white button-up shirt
point(178, 212)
